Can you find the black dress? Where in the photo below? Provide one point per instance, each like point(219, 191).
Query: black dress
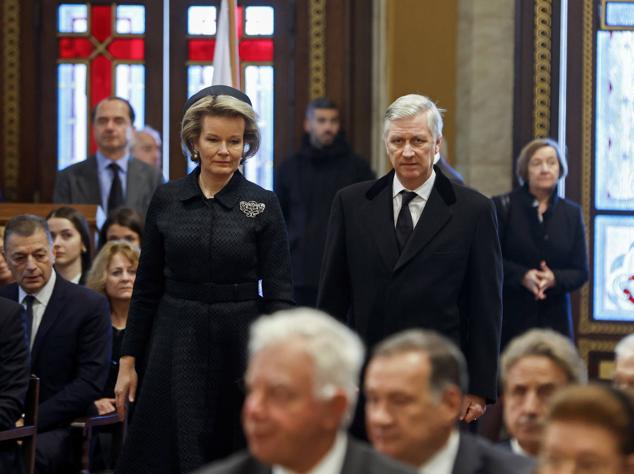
point(560, 241)
point(117, 340)
point(195, 295)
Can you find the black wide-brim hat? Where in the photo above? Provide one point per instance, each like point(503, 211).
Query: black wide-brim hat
point(215, 91)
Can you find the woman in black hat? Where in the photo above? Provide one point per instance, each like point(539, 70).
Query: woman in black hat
point(214, 256)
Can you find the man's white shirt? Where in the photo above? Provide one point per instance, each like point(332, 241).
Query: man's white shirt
point(331, 463)
point(517, 449)
point(443, 461)
point(417, 204)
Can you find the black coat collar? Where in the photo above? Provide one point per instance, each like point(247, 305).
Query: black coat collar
point(442, 185)
point(228, 196)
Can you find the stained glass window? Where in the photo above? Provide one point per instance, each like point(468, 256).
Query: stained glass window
point(613, 167)
point(72, 19)
point(103, 46)
point(255, 49)
point(614, 268)
point(258, 21)
point(130, 19)
point(201, 20)
point(198, 77)
point(72, 113)
point(619, 14)
point(130, 84)
point(614, 153)
point(258, 85)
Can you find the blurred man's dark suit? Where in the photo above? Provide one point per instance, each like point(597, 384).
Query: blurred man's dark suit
point(14, 379)
point(359, 459)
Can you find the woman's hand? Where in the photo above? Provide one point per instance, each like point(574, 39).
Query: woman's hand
point(125, 388)
point(105, 406)
point(546, 279)
point(531, 282)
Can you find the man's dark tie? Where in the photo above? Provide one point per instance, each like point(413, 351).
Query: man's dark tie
point(404, 224)
point(115, 198)
point(29, 299)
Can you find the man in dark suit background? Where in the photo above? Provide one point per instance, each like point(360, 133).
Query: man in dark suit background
point(414, 386)
point(302, 386)
point(14, 379)
point(306, 184)
point(68, 331)
point(414, 250)
point(112, 178)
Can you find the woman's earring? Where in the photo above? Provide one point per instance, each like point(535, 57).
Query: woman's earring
point(196, 155)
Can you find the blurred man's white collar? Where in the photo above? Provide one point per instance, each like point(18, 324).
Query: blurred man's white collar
point(332, 462)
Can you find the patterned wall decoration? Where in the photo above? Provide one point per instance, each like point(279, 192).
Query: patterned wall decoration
point(542, 59)
point(317, 49)
point(11, 95)
point(587, 326)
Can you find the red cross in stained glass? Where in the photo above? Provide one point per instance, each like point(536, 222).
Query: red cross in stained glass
point(99, 48)
point(249, 49)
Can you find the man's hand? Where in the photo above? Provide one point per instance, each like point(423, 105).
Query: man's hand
point(473, 407)
point(105, 406)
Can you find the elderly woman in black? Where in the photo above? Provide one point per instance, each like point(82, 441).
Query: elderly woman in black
point(543, 244)
point(214, 256)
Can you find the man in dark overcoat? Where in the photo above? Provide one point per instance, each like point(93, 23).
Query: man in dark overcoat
point(413, 250)
point(306, 184)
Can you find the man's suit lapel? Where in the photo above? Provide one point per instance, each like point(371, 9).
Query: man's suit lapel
point(51, 313)
point(378, 217)
point(88, 182)
point(435, 216)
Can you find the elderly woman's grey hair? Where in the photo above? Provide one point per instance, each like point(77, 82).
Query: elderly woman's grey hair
point(625, 347)
point(524, 158)
point(545, 343)
point(412, 105)
point(337, 352)
point(448, 365)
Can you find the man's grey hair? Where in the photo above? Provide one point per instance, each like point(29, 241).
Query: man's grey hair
point(26, 225)
point(448, 365)
point(412, 105)
point(337, 352)
point(625, 347)
point(545, 343)
point(150, 131)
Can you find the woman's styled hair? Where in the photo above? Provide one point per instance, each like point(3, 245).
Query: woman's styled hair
point(98, 273)
point(219, 106)
point(125, 217)
point(521, 165)
point(598, 405)
point(81, 225)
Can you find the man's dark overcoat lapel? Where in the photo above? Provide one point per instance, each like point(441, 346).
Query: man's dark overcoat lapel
point(379, 219)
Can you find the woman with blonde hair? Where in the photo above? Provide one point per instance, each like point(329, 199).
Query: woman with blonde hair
point(113, 274)
point(214, 257)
